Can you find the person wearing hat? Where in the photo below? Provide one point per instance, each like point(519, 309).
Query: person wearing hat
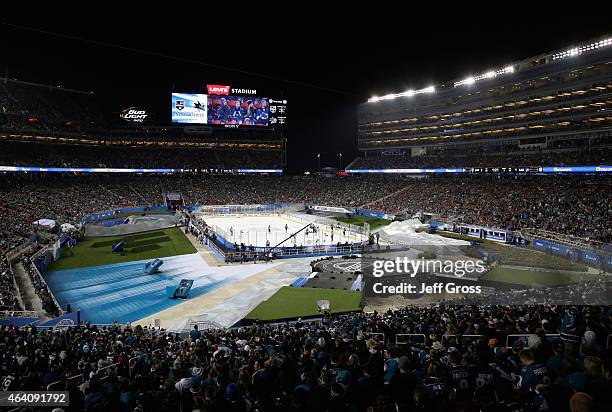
point(555, 362)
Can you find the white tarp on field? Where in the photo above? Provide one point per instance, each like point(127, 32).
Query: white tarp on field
point(238, 306)
point(405, 233)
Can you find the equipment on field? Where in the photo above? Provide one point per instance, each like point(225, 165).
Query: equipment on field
point(152, 267)
point(181, 291)
point(118, 247)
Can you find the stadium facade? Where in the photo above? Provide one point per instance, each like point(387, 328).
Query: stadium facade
point(535, 103)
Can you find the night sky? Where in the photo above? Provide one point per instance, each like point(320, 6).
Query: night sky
point(324, 67)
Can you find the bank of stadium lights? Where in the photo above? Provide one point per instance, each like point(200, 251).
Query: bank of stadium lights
point(407, 93)
point(488, 75)
point(579, 50)
point(494, 73)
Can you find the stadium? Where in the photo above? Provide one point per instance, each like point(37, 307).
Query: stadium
point(193, 247)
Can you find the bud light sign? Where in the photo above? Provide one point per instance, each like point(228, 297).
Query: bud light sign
point(134, 115)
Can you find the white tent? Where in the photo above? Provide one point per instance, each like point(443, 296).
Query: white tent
point(45, 223)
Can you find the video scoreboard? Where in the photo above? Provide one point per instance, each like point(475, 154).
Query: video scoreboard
point(229, 107)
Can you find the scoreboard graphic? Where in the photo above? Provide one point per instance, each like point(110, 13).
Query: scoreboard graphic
point(229, 107)
point(189, 108)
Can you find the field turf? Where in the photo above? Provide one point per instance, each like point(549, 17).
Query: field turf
point(147, 245)
point(358, 220)
point(290, 302)
point(533, 277)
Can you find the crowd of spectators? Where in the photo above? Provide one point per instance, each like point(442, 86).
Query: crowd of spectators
point(348, 362)
point(495, 157)
point(68, 198)
point(43, 108)
point(571, 205)
point(59, 155)
point(578, 206)
point(594, 290)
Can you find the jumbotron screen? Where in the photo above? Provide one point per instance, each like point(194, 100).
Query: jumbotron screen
point(228, 107)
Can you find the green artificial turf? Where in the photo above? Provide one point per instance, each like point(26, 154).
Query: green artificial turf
point(358, 220)
point(290, 302)
point(533, 277)
point(147, 245)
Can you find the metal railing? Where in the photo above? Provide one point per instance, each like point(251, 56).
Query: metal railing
point(525, 337)
point(399, 338)
point(471, 338)
point(18, 250)
point(567, 240)
point(245, 210)
point(375, 334)
point(20, 313)
point(284, 252)
point(56, 385)
point(206, 325)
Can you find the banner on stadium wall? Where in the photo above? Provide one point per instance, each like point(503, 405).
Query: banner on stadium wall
point(110, 213)
point(330, 209)
point(526, 169)
point(35, 169)
point(63, 322)
point(580, 255)
point(377, 215)
point(18, 322)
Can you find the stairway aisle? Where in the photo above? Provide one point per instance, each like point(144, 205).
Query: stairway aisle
point(28, 295)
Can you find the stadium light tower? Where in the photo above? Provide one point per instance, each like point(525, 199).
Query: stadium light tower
point(340, 161)
point(319, 160)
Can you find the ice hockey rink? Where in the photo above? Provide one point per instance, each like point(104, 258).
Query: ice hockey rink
point(253, 230)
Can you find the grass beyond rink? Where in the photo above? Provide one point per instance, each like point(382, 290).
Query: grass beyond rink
point(359, 220)
point(533, 277)
point(139, 246)
point(290, 302)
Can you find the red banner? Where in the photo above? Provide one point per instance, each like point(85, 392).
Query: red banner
point(218, 89)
